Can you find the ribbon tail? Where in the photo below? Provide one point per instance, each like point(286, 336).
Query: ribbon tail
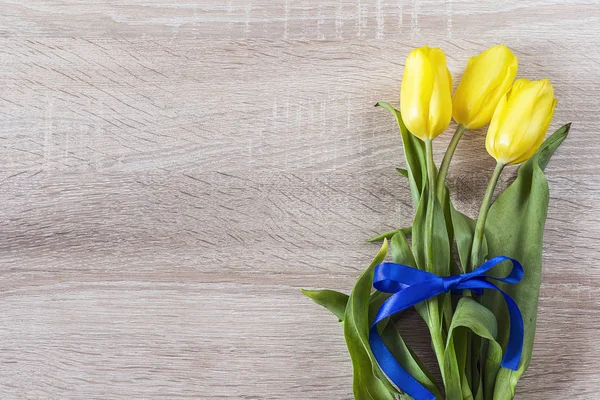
point(394, 371)
point(402, 300)
point(514, 348)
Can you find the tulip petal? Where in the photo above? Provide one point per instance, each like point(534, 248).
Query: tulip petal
point(533, 129)
point(417, 86)
point(426, 93)
point(486, 79)
point(537, 145)
point(520, 121)
point(490, 142)
point(485, 112)
point(440, 104)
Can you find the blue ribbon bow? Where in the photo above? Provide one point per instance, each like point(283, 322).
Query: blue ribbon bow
point(410, 286)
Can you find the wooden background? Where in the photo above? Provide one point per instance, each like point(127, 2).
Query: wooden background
point(174, 171)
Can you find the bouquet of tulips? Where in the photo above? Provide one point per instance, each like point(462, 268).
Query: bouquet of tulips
point(475, 283)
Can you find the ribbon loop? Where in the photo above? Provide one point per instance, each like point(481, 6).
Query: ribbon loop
point(410, 286)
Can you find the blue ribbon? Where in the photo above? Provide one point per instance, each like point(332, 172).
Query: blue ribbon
point(410, 286)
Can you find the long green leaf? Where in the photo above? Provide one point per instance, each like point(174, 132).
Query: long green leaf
point(408, 359)
point(482, 322)
point(464, 229)
point(418, 234)
point(388, 235)
point(441, 242)
point(337, 302)
point(368, 378)
point(402, 254)
point(437, 262)
point(515, 228)
point(414, 153)
point(368, 385)
point(330, 299)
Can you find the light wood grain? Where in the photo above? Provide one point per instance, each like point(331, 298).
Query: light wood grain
point(173, 172)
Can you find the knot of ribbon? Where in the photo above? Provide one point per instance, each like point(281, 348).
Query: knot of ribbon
point(410, 286)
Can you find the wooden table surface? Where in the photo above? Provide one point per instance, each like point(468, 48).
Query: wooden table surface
point(174, 171)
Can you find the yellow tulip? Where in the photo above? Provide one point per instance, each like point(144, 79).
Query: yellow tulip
point(486, 79)
point(426, 93)
point(520, 121)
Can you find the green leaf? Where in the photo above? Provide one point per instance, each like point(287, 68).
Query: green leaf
point(464, 229)
point(330, 299)
point(482, 322)
point(368, 383)
point(408, 359)
point(401, 254)
point(461, 229)
point(388, 235)
point(375, 301)
point(514, 228)
point(414, 153)
point(429, 224)
point(400, 250)
point(476, 372)
point(418, 234)
point(402, 172)
point(440, 240)
point(453, 370)
point(337, 302)
point(547, 149)
point(479, 394)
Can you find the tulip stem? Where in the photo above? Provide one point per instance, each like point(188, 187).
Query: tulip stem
point(441, 180)
point(435, 327)
point(483, 212)
point(430, 202)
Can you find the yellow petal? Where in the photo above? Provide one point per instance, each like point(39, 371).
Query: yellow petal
point(486, 79)
point(540, 138)
point(521, 121)
point(415, 93)
point(490, 140)
point(484, 115)
point(440, 104)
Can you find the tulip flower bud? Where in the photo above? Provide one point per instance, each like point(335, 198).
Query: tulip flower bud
point(486, 79)
point(426, 93)
point(520, 121)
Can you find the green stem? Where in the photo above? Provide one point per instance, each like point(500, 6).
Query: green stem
point(441, 181)
point(430, 202)
point(483, 212)
point(441, 194)
point(476, 258)
point(435, 327)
